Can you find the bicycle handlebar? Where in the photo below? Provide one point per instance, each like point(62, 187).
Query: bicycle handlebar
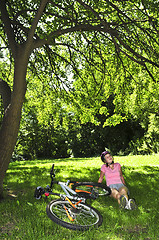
point(52, 175)
point(52, 171)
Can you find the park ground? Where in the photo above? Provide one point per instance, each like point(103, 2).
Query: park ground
point(24, 217)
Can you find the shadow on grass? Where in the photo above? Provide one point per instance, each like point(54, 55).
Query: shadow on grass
point(142, 182)
point(22, 179)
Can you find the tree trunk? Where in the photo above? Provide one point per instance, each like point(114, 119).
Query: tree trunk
point(11, 120)
point(6, 93)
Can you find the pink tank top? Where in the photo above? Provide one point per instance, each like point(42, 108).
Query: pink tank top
point(112, 176)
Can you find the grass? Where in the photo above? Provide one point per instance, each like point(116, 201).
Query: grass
point(23, 217)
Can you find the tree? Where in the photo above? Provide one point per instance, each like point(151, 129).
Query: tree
point(73, 36)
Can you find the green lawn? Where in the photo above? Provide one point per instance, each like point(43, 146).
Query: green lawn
point(23, 217)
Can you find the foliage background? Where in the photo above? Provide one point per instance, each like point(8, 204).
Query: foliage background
point(92, 79)
point(51, 125)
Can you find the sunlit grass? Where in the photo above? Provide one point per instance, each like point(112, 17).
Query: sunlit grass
point(23, 217)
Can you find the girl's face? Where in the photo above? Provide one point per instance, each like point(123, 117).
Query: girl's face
point(108, 158)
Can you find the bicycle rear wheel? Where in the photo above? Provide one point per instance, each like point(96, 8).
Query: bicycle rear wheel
point(81, 218)
point(91, 190)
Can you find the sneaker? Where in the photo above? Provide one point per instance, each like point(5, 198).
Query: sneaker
point(132, 204)
point(123, 201)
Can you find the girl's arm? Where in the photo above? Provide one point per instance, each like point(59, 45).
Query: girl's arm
point(101, 177)
point(121, 176)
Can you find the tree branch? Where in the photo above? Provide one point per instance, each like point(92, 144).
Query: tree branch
point(36, 20)
point(7, 26)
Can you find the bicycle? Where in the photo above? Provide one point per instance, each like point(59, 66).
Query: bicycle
point(71, 210)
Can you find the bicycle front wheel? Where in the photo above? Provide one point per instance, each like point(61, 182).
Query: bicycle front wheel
point(80, 218)
point(91, 189)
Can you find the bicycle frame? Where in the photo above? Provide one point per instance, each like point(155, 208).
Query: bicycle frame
point(70, 194)
point(72, 203)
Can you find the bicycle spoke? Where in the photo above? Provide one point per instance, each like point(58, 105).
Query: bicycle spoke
point(82, 216)
point(86, 217)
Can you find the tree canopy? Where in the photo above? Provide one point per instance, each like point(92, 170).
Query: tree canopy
point(100, 44)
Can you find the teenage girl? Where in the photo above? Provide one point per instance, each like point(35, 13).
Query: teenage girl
point(115, 180)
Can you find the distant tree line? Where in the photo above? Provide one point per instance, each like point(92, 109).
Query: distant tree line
point(51, 129)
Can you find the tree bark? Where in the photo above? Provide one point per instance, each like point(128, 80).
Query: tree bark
point(5, 91)
point(11, 120)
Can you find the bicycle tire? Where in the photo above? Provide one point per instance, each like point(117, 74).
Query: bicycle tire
point(84, 216)
point(91, 190)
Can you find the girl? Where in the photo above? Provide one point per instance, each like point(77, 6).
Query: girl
point(115, 180)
